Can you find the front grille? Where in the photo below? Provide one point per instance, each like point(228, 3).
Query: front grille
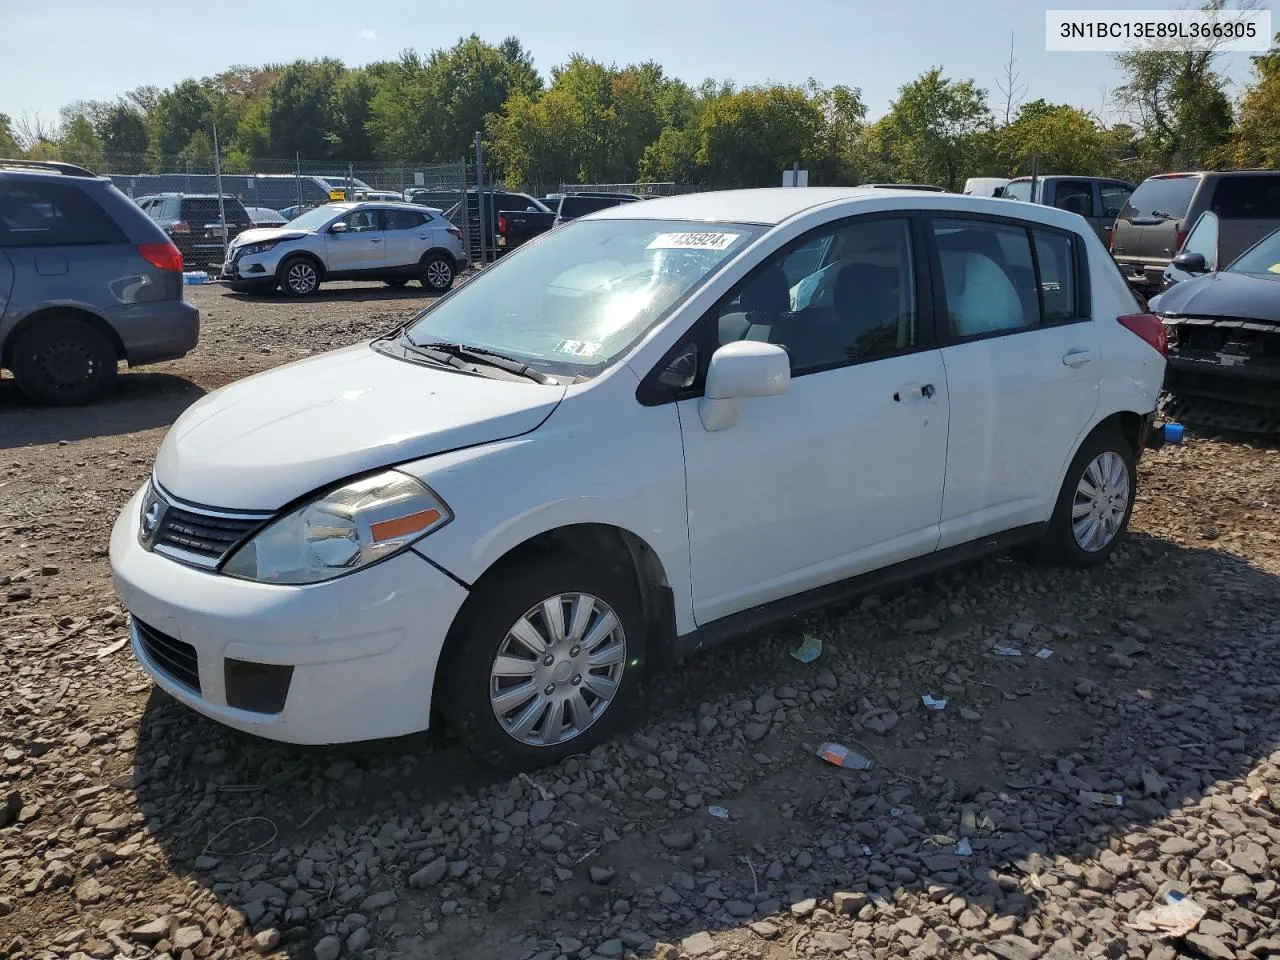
point(177, 660)
point(203, 536)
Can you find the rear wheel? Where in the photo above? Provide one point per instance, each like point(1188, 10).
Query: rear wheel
point(437, 272)
point(64, 361)
point(299, 277)
point(545, 662)
point(1095, 503)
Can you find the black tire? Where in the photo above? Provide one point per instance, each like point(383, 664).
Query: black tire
point(299, 276)
point(465, 680)
point(436, 272)
point(1060, 544)
point(64, 361)
point(396, 282)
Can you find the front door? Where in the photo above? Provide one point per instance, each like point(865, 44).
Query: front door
point(1022, 361)
point(843, 473)
point(361, 248)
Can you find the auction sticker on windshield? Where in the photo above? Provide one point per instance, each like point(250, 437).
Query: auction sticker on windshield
point(693, 241)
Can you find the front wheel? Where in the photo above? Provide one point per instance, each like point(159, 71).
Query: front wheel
point(1095, 503)
point(545, 662)
point(437, 272)
point(64, 361)
point(299, 277)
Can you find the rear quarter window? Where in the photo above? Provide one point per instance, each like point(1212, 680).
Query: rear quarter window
point(41, 214)
point(1161, 197)
point(1247, 198)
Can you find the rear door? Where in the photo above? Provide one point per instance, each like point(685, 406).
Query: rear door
point(1112, 196)
point(408, 234)
point(1248, 208)
point(1077, 196)
point(1022, 364)
point(1148, 229)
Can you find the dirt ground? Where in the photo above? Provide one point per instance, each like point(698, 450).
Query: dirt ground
point(131, 827)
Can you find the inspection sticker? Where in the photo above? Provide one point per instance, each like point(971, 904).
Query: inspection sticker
point(693, 241)
point(578, 348)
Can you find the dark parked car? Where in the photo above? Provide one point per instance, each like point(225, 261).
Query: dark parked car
point(1224, 342)
point(86, 280)
point(580, 204)
point(194, 223)
point(1155, 222)
point(1098, 199)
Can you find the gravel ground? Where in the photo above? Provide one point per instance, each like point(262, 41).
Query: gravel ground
point(131, 827)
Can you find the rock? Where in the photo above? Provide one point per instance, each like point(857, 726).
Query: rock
point(922, 624)
point(304, 871)
point(429, 875)
point(266, 940)
point(763, 928)
point(152, 931)
point(1211, 947)
point(568, 944)
point(1114, 863)
point(1012, 947)
point(755, 731)
point(666, 951)
point(803, 908)
point(972, 716)
point(187, 937)
point(825, 679)
point(552, 843)
point(1178, 847)
point(329, 948)
point(540, 811)
point(11, 807)
point(205, 863)
point(848, 904)
point(698, 944)
point(359, 939)
point(1085, 687)
point(610, 948)
point(376, 901)
point(740, 908)
point(766, 703)
point(601, 875)
point(89, 891)
point(1096, 878)
point(678, 840)
point(1237, 885)
point(832, 942)
point(911, 926)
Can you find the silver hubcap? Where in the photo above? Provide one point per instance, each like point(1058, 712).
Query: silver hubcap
point(558, 669)
point(302, 278)
point(1102, 497)
point(438, 274)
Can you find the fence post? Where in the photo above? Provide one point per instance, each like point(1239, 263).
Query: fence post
point(460, 181)
point(480, 211)
point(297, 173)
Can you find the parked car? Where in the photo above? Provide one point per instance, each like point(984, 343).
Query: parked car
point(519, 218)
point(264, 217)
point(296, 210)
point(389, 196)
point(86, 280)
point(512, 506)
point(578, 204)
point(194, 223)
point(391, 242)
point(985, 186)
point(1224, 338)
point(1097, 199)
point(1155, 222)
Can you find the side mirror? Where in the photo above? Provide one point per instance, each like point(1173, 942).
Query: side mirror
point(1190, 262)
point(745, 368)
point(339, 227)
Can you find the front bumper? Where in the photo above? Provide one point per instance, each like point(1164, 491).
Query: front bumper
point(254, 266)
point(1141, 274)
point(363, 647)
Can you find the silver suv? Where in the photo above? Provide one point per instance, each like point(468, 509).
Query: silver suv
point(391, 242)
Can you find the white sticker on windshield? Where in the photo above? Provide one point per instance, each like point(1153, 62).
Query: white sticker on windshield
point(693, 241)
point(578, 348)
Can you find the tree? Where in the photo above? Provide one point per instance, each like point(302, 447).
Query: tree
point(299, 111)
point(80, 145)
point(1056, 138)
point(1257, 136)
point(931, 130)
point(179, 113)
point(1010, 84)
point(8, 142)
point(123, 130)
point(536, 139)
point(352, 107)
point(747, 137)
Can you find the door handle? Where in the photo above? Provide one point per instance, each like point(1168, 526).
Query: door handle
point(422, 236)
point(1078, 358)
point(375, 239)
point(912, 392)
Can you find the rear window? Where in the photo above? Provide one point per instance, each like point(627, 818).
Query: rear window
point(1017, 190)
point(1247, 198)
point(38, 214)
point(579, 206)
point(205, 210)
point(1166, 198)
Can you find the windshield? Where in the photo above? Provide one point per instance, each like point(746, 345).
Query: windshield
point(1160, 198)
point(1017, 190)
point(1262, 257)
point(570, 302)
point(317, 217)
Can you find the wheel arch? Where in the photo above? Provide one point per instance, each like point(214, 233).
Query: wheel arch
point(52, 312)
point(321, 270)
point(438, 252)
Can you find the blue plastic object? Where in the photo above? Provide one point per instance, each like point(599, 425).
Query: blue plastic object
point(195, 277)
point(1172, 433)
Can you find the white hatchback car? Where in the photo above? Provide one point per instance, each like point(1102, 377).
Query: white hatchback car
point(392, 242)
point(638, 435)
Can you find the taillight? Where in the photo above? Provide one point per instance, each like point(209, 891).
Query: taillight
point(1178, 238)
point(1111, 238)
point(456, 232)
point(1150, 328)
point(180, 226)
point(164, 256)
point(502, 224)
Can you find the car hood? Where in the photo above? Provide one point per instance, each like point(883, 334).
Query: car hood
point(268, 439)
point(263, 234)
point(1244, 295)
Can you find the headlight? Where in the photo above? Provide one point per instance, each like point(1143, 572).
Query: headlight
point(348, 528)
point(252, 248)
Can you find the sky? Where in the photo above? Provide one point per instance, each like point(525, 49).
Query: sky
point(874, 45)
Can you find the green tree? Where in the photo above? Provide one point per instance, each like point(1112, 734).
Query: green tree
point(123, 130)
point(1056, 138)
point(8, 141)
point(536, 139)
point(1256, 142)
point(300, 109)
point(747, 137)
point(80, 145)
point(353, 109)
point(178, 115)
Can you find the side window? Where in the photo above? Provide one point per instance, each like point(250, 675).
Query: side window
point(1247, 198)
point(1114, 197)
point(362, 221)
point(403, 219)
point(860, 305)
point(36, 214)
point(1055, 257)
point(1075, 196)
point(1203, 239)
point(988, 277)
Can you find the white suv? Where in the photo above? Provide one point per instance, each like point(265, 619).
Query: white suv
point(636, 436)
point(392, 242)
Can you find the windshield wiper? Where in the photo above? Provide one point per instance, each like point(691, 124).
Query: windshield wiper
point(455, 354)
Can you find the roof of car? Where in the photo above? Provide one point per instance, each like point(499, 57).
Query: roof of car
point(773, 205)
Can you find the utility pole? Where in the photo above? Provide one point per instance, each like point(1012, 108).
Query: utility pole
point(217, 179)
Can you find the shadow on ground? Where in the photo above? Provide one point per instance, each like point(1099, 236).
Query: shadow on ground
point(1161, 686)
point(141, 400)
point(343, 293)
